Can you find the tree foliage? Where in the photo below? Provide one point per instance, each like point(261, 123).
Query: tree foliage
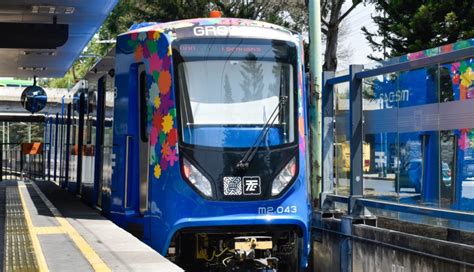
point(412, 25)
point(18, 132)
point(332, 18)
point(92, 53)
point(291, 14)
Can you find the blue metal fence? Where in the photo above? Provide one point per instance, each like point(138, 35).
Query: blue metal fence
point(356, 201)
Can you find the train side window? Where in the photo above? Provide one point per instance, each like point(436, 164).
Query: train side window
point(143, 96)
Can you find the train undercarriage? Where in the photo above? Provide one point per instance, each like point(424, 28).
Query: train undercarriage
point(230, 249)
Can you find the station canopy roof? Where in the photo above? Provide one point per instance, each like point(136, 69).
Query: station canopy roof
point(43, 37)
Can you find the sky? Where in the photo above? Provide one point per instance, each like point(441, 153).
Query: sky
point(355, 40)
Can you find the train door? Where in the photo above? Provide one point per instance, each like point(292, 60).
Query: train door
point(73, 144)
point(105, 105)
point(80, 142)
point(144, 146)
point(99, 141)
point(137, 155)
point(67, 147)
point(76, 142)
point(88, 147)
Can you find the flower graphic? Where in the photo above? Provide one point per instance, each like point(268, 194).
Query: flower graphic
point(162, 137)
point(471, 138)
point(146, 51)
point(164, 164)
point(149, 35)
point(157, 171)
point(172, 157)
point(173, 137)
point(164, 82)
point(149, 113)
point(166, 63)
point(157, 102)
point(455, 67)
point(151, 46)
point(153, 136)
point(155, 64)
point(467, 77)
point(138, 52)
point(416, 55)
point(463, 67)
point(463, 141)
point(152, 156)
point(167, 123)
point(153, 91)
point(157, 121)
point(462, 92)
point(456, 79)
point(165, 150)
point(166, 103)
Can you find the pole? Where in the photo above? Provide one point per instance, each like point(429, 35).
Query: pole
point(315, 103)
point(29, 132)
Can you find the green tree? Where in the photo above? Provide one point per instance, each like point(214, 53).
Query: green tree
point(128, 12)
point(412, 25)
point(332, 18)
point(92, 53)
point(19, 131)
point(291, 14)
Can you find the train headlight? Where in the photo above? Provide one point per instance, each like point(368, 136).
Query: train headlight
point(284, 178)
point(197, 179)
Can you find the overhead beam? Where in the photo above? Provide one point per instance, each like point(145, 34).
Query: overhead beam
point(33, 36)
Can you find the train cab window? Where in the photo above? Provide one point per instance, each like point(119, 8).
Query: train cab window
point(228, 92)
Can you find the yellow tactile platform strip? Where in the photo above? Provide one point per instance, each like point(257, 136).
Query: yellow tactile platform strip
point(23, 251)
point(19, 251)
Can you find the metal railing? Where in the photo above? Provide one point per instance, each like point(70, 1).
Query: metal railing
point(355, 200)
point(15, 165)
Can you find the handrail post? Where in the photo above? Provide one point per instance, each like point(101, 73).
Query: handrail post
point(327, 147)
point(356, 136)
point(21, 163)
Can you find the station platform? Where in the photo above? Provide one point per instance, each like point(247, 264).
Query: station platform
point(43, 228)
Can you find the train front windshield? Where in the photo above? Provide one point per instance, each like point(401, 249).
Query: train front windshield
point(229, 88)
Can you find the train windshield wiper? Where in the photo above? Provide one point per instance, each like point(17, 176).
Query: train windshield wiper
point(243, 164)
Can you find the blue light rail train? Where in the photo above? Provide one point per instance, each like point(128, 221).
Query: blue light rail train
point(209, 159)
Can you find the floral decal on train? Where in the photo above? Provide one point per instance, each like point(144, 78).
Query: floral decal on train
point(462, 75)
point(301, 113)
point(153, 49)
point(151, 45)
